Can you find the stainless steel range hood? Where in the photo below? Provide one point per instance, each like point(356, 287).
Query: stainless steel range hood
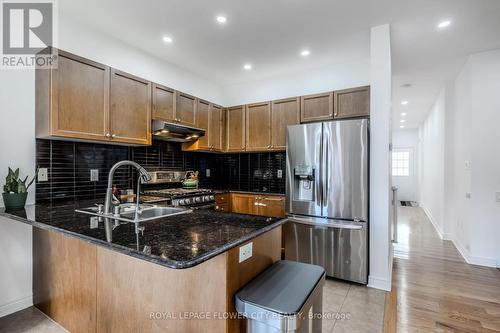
point(163, 130)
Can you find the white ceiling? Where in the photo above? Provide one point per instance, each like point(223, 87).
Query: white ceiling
point(271, 33)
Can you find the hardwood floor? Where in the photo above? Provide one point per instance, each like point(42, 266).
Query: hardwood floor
point(437, 290)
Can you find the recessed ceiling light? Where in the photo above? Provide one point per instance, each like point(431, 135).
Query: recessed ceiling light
point(403, 114)
point(401, 126)
point(247, 67)
point(221, 19)
point(444, 24)
point(402, 121)
point(305, 53)
point(167, 39)
point(404, 103)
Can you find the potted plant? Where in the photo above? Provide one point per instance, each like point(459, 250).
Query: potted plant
point(15, 190)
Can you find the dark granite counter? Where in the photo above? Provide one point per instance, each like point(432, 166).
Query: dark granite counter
point(180, 241)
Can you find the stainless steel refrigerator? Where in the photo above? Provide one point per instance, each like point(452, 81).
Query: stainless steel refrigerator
point(327, 197)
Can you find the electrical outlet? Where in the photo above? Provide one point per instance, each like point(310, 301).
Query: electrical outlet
point(94, 222)
point(467, 165)
point(43, 175)
point(246, 251)
point(94, 175)
point(207, 173)
point(497, 196)
point(280, 173)
point(468, 195)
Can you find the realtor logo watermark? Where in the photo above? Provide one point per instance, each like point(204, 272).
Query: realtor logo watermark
point(28, 34)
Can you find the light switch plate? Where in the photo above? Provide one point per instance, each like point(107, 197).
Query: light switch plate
point(280, 173)
point(43, 175)
point(94, 222)
point(497, 196)
point(467, 165)
point(94, 175)
point(246, 251)
point(208, 173)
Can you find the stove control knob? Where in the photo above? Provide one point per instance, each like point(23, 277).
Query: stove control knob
point(181, 202)
point(187, 201)
point(198, 199)
point(212, 197)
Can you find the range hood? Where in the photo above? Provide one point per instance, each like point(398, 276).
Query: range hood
point(163, 130)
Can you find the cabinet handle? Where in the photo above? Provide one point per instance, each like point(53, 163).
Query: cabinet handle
point(113, 135)
point(108, 135)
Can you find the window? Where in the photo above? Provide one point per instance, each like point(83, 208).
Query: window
point(401, 163)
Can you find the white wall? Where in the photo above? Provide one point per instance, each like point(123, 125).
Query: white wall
point(332, 77)
point(469, 214)
point(380, 180)
point(432, 144)
point(407, 186)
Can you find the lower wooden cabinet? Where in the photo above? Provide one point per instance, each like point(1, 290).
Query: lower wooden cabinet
point(256, 204)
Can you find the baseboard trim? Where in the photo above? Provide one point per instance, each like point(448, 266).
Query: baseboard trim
point(433, 222)
point(379, 283)
point(474, 260)
point(16, 305)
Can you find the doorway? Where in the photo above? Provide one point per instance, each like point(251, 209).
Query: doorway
point(403, 173)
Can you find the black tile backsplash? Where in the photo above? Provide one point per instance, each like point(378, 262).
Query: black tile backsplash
point(69, 165)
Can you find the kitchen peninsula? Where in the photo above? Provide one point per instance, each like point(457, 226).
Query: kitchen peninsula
point(93, 277)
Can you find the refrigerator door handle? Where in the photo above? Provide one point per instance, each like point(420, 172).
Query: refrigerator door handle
point(324, 168)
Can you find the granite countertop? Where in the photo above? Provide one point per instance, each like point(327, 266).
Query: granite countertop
point(180, 241)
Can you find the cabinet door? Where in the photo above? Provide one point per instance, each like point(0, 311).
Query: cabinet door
point(130, 114)
point(235, 129)
point(352, 103)
point(243, 203)
point(185, 111)
point(163, 103)
point(272, 206)
point(316, 107)
point(202, 121)
point(215, 132)
point(283, 113)
point(258, 127)
point(80, 92)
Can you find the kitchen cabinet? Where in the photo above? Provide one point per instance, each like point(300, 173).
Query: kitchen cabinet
point(284, 112)
point(215, 131)
point(317, 107)
point(163, 103)
point(185, 110)
point(270, 205)
point(72, 100)
point(352, 103)
point(235, 129)
point(209, 118)
point(258, 126)
point(258, 204)
point(130, 110)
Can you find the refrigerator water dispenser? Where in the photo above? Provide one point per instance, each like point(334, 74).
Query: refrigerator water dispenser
point(304, 183)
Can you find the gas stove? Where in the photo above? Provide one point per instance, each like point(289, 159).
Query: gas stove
point(191, 198)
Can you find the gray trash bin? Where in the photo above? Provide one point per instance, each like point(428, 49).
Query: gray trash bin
point(281, 297)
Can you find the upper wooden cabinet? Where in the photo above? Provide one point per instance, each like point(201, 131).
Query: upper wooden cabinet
point(316, 107)
point(215, 129)
point(352, 103)
point(72, 99)
point(185, 111)
point(284, 112)
point(163, 103)
point(130, 111)
point(258, 126)
point(235, 128)
point(202, 121)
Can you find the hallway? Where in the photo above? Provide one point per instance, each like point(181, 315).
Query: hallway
point(437, 290)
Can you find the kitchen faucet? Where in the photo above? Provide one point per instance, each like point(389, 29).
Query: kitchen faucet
point(144, 177)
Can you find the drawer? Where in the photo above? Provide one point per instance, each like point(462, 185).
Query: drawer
point(222, 198)
point(222, 207)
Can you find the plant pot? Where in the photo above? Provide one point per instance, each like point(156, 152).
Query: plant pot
point(13, 201)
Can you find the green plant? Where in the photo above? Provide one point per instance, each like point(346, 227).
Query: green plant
point(14, 184)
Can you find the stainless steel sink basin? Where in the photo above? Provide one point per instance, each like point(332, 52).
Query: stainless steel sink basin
point(155, 212)
point(146, 213)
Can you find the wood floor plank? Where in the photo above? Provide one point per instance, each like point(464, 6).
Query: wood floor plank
point(437, 290)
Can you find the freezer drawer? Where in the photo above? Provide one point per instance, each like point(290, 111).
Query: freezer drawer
point(339, 246)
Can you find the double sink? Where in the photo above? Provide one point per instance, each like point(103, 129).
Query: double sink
point(127, 212)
